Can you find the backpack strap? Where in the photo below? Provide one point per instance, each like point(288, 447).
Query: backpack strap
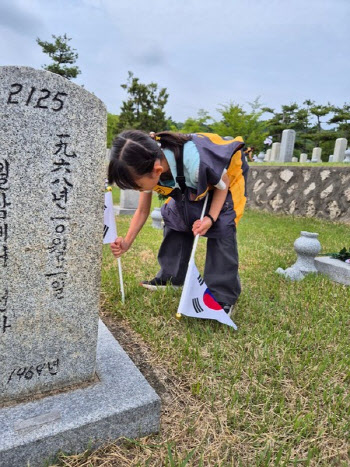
point(180, 179)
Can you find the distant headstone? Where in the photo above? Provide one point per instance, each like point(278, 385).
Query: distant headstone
point(339, 149)
point(129, 200)
point(287, 146)
point(268, 155)
point(303, 157)
point(316, 155)
point(295, 159)
point(275, 152)
point(108, 154)
point(330, 158)
point(261, 157)
point(347, 156)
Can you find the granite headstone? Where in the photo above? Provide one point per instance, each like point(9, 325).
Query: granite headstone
point(287, 146)
point(303, 157)
point(339, 149)
point(275, 152)
point(52, 139)
point(129, 200)
point(64, 382)
point(316, 155)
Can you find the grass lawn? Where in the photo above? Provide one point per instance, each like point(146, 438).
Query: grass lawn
point(276, 392)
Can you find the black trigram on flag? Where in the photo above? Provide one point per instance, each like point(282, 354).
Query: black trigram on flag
point(105, 230)
point(196, 305)
point(200, 280)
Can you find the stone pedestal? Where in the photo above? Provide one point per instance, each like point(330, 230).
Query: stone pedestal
point(120, 402)
point(307, 247)
point(287, 146)
point(128, 201)
point(157, 218)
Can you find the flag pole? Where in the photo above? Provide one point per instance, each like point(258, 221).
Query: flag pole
point(121, 279)
point(195, 243)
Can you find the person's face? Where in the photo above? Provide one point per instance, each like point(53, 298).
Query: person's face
point(149, 181)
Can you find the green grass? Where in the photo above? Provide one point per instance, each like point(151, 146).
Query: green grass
point(274, 393)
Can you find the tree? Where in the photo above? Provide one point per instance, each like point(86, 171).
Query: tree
point(199, 124)
point(112, 128)
point(341, 118)
point(144, 107)
point(61, 54)
point(238, 122)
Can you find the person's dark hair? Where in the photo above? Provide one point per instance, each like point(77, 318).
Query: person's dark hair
point(134, 153)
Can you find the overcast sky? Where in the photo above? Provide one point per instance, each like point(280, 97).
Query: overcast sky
point(205, 52)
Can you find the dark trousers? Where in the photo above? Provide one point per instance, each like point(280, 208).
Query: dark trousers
point(221, 263)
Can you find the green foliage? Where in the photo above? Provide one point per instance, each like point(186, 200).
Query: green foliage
point(62, 54)
point(112, 128)
point(342, 255)
point(198, 125)
point(144, 107)
point(238, 122)
point(341, 117)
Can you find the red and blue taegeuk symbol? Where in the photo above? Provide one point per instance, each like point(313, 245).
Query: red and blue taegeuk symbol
point(210, 302)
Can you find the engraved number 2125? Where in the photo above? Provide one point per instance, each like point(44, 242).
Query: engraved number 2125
point(40, 101)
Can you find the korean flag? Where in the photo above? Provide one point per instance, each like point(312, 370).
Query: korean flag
point(110, 229)
point(198, 302)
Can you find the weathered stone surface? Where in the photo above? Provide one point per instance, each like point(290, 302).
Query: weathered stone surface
point(287, 145)
point(286, 175)
point(339, 149)
point(128, 201)
point(275, 152)
point(52, 163)
point(306, 247)
point(335, 269)
point(303, 157)
point(316, 155)
point(120, 403)
point(305, 191)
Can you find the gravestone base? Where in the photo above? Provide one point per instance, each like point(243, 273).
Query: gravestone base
point(126, 211)
point(122, 403)
point(336, 270)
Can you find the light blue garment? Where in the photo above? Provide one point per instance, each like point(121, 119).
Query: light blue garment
point(190, 162)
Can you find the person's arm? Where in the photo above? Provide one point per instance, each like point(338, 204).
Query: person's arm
point(202, 226)
point(121, 245)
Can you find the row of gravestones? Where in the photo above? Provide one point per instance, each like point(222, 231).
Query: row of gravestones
point(283, 151)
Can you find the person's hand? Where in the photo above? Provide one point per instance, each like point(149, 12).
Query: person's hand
point(119, 246)
point(201, 227)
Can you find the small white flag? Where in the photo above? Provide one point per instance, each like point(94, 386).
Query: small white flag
point(198, 302)
point(110, 229)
